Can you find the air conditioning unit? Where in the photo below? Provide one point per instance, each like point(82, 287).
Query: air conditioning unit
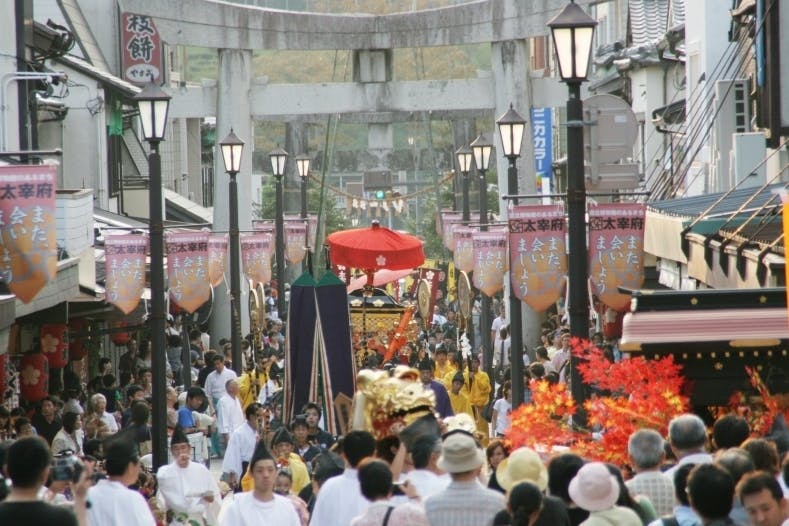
point(747, 156)
point(732, 109)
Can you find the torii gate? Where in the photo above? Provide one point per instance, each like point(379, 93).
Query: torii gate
point(235, 30)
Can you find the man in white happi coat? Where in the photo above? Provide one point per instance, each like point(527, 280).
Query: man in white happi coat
point(261, 506)
point(189, 490)
point(242, 444)
point(229, 414)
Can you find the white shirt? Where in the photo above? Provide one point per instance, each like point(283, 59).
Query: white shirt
point(339, 501)
point(113, 503)
point(215, 382)
point(502, 408)
point(246, 510)
point(428, 483)
point(109, 419)
point(229, 414)
point(693, 458)
point(63, 441)
point(182, 489)
point(239, 449)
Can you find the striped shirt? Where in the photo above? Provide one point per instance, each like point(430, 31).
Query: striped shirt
point(656, 487)
point(464, 504)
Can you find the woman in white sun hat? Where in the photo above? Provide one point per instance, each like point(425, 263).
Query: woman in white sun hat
point(596, 490)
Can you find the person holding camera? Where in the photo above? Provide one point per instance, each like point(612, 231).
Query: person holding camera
point(28, 465)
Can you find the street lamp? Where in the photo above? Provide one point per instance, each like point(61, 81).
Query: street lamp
point(278, 159)
point(464, 157)
point(232, 148)
point(481, 148)
point(303, 166)
point(153, 103)
point(511, 126)
point(572, 32)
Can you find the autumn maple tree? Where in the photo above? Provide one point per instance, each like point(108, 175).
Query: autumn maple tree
point(626, 396)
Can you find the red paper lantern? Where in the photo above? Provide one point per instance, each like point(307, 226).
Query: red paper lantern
point(34, 377)
point(119, 338)
point(54, 344)
point(77, 349)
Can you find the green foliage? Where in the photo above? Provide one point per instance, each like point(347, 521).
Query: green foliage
point(336, 218)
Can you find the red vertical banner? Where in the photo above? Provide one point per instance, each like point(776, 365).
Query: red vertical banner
point(463, 256)
point(256, 257)
point(785, 225)
point(295, 238)
point(124, 259)
point(34, 377)
point(616, 251)
point(28, 236)
point(490, 261)
point(141, 49)
point(261, 226)
point(342, 272)
point(432, 276)
point(187, 269)
point(538, 257)
point(54, 344)
point(449, 220)
point(217, 258)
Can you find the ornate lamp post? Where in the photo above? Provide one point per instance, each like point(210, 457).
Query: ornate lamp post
point(464, 157)
point(572, 32)
point(278, 159)
point(511, 127)
point(303, 166)
point(481, 148)
point(232, 148)
point(153, 104)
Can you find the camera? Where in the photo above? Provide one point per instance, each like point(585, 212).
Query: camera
point(67, 467)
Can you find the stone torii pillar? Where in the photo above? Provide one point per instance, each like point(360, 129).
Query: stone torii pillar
point(232, 111)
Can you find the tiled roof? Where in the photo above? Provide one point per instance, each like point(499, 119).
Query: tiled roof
point(692, 207)
point(648, 20)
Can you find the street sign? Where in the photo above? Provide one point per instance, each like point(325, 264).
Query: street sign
point(610, 132)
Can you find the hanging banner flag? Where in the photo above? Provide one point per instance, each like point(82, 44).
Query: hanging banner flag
point(141, 49)
point(187, 269)
point(616, 251)
point(490, 261)
point(124, 260)
point(450, 219)
point(264, 226)
point(463, 256)
point(28, 236)
point(295, 239)
point(542, 135)
point(217, 258)
point(538, 258)
point(785, 224)
point(256, 257)
point(432, 276)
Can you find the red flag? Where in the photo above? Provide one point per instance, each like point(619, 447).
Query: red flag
point(187, 269)
point(538, 258)
point(28, 236)
point(124, 257)
point(616, 251)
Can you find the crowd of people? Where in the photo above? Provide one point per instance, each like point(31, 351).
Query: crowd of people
point(84, 457)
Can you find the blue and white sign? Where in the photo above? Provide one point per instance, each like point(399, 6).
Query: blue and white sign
point(542, 134)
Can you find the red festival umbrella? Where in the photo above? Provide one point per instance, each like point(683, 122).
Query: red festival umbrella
point(374, 248)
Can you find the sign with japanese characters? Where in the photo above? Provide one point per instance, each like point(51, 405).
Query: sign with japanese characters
point(538, 259)
point(463, 256)
point(256, 257)
point(124, 259)
point(28, 236)
point(263, 226)
point(295, 241)
point(187, 269)
point(616, 251)
point(490, 261)
point(450, 219)
point(141, 49)
point(217, 258)
point(542, 135)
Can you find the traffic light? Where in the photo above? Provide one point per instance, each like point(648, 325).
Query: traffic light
point(380, 194)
